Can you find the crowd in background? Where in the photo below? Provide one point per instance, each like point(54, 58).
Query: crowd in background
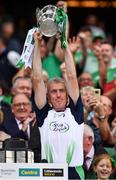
point(95, 62)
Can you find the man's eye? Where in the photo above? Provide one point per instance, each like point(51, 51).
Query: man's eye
point(53, 91)
point(62, 90)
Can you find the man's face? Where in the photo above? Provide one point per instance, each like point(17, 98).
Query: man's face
point(85, 80)
point(87, 93)
point(106, 50)
point(87, 143)
point(107, 105)
point(57, 96)
point(21, 107)
point(24, 86)
point(8, 29)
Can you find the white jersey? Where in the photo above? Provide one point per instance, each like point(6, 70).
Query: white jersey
point(62, 137)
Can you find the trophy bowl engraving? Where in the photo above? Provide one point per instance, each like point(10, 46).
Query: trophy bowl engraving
point(45, 20)
point(48, 28)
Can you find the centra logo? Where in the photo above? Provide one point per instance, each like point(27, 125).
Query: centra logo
point(29, 172)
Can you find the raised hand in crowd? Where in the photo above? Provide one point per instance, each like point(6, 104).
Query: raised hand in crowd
point(75, 44)
point(102, 65)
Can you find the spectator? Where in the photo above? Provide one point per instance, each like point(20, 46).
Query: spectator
point(7, 30)
point(95, 24)
point(85, 79)
point(7, 70)
point(88, 146)
point(4, 101)
point(90, 151)
point(90, 59)
point(22, 85)
point(21, 108)
point(103, 166)
point(107, 62)
point(99, 119)
point(63, 112)
point(22, 125)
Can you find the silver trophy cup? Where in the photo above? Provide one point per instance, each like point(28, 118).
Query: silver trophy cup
point(46, 20)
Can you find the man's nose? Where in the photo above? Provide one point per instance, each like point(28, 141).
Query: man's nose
point(58, 93)
point(21, 106)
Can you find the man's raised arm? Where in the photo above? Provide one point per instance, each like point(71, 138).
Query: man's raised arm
point(70, 76)
point(38, 83)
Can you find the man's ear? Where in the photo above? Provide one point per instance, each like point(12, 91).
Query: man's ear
point(91, 139)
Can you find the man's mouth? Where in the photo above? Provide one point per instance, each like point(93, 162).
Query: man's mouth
point(59, 101)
